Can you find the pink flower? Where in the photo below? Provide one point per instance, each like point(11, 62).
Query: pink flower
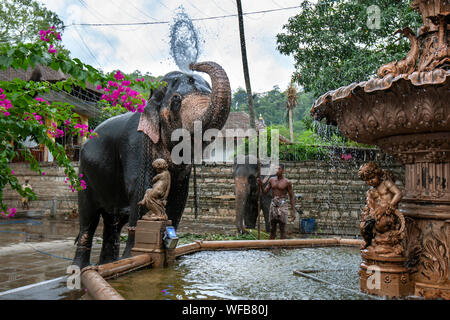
point(12, 210)
point(119, 76)
point(12, 171)
point(41, 100)
point(52, 49)
point(44, 173)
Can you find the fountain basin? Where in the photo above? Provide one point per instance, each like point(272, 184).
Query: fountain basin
point(249, 275)
point(93, 278)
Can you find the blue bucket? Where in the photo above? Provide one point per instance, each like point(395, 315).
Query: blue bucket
point(308, 225)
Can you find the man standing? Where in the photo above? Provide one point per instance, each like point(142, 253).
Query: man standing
point(279, 207)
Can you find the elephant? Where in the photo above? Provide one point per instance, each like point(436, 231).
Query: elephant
point(117, 164)
point(246, 193)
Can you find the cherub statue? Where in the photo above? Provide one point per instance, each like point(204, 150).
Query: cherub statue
point(382, 224)
point(155, 198)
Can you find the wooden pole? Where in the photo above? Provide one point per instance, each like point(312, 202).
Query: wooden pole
point(251, 110)
point(195, 191)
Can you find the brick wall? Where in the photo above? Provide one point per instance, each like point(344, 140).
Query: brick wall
point(332, 193)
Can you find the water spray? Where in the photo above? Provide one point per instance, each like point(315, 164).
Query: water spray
point(184, 40)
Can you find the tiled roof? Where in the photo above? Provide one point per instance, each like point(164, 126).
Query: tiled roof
point(38, 73)
point(240, 120)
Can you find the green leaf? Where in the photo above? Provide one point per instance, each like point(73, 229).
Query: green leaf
point(5, 61)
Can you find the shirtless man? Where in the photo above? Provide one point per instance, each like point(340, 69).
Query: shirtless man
point(279, 207)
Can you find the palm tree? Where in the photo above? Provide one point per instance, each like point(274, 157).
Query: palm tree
point(292, 101)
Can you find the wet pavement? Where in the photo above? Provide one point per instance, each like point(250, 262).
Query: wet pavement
point(37, 249)
point(33, 250)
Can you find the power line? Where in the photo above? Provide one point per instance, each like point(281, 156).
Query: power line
point(87, 47)
point(168, 22)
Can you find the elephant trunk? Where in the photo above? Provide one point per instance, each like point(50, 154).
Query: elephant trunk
point(220, 99)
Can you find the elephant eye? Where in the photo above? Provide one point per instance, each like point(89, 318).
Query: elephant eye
point(175, 102)
point(191, 80)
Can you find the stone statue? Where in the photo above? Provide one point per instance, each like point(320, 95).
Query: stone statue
point(155, 198)
point(382, 224)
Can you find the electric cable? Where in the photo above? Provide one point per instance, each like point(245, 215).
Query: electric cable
point(167, 22)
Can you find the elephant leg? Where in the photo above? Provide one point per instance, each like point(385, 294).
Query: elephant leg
point(89, 218)
point(110, 240)
point(177, 198)
point(111, 237)
point(241, 194)
point(251, 207)
point(132, 221)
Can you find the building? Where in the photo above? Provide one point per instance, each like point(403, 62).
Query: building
point(83, 100)
point(234, 131)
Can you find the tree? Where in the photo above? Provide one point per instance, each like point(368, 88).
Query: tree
point(334, 44)
point(23, 113)
point(292, 100)
point(21, 20)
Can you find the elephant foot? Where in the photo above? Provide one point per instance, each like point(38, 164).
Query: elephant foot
point(126, 253)
point(109, 253)
point(82, 257)
point(130, 242)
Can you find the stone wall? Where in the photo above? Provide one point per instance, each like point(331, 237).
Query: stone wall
point(48, 187)
point(332, 193)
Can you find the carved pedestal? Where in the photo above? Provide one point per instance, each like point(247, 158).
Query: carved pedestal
point(428, 236)
point(149, 239)
point(384, 276)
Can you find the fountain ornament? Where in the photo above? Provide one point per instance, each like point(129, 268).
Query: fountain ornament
point(405, 111)
point(184, 41)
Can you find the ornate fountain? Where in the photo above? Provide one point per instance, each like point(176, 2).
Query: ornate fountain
point(405, 111)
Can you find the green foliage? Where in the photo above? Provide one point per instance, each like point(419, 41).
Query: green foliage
point(185, 238)
point(272, 105)
point(21, 20)
point(108, 111)
point(333, 45)
point(24, 116)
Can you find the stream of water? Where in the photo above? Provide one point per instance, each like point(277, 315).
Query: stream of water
point(184, 40)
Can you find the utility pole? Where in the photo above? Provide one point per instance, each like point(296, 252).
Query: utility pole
point(251, 110)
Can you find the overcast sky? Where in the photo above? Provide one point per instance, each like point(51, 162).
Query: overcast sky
point(146, 47)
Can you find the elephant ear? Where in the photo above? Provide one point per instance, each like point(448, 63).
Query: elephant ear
point(149, 122)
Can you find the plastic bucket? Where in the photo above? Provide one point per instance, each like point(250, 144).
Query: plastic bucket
point(308, 225)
